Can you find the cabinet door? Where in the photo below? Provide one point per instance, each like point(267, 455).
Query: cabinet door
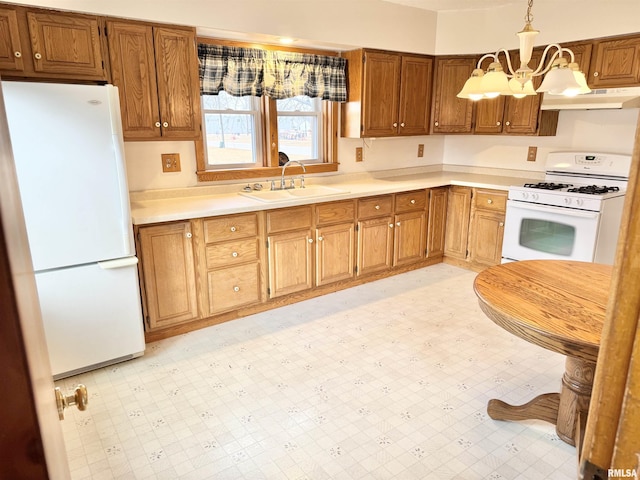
point(375, 244)
point(437, 222)
point(380, 103)
point(450, 113)
point(616, 63)
point(335, 253)
point(178, 82)
point(290, 262)
point(415, 95)
point(487, 230)
point(133, 72)
point(168, 273)
point(521, 114)
point(458, 213)
point(10, 47)
point(66, 44)
point(489, 115)
point(409, 238)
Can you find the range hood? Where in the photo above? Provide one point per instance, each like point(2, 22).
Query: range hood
point(612, 98)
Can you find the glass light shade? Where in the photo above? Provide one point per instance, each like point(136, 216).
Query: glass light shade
point(520, 90)
point(495, 82)
point(580, 78)
point(471, 88)
point(527, 37)
point(560, 81)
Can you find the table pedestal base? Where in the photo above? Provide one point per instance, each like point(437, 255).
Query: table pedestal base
point(561, 409)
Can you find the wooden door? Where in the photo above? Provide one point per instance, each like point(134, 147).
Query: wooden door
point(437, 221)
point(415, 95)
point(458, 216)
point(290, 262)
point(375, 245)
point(168, 272)
point(178, 82)
point(31, 440)
point(450, 113)
point(11, 51)
point(616, 63)
point(66, 45)
point(521, 114)
point(133, 71)
point(380, 105)
point(409, 238)
point(335, 252)
point(485, 244)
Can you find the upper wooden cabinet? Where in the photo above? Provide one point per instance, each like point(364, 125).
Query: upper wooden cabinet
point(51, 45)
point(389, 94)
point(452, 114)
point(615, 63)
point(156, 71)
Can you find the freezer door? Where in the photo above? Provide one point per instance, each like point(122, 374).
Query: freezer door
point(69, 158)
point(91, 315)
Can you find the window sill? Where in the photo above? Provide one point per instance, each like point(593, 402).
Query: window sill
point(275, 172)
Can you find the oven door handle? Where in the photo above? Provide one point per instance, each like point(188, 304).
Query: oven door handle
point(536, 207)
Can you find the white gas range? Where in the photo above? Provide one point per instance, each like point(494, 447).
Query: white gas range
point(574, 214)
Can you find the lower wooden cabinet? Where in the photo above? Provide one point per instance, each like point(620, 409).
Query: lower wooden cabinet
point(437, 222)
point(409, 237)
point(168, 274)
point(475, 226)
point(335, 242)
point(375, 245)
point(233, 287)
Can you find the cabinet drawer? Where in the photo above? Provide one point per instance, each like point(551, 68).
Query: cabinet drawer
point(375, 206)
point(406, 202)
point(231, 253)
point(288, 219)
point(221, 229)
point(233, 287)
point(336, 212)
point(493, 200)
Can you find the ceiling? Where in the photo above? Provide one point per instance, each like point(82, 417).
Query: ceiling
point(439, 5)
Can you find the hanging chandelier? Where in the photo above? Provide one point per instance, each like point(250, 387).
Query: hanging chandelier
point(561, 77)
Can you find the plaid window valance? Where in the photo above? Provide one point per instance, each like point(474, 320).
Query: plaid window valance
point(248, 71)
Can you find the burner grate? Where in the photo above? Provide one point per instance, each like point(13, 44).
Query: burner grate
point(547, 185)
point(594, 189)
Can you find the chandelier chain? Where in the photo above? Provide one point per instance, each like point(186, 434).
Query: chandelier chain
point(529, 17)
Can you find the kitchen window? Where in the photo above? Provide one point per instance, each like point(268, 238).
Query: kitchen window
point(258, 103)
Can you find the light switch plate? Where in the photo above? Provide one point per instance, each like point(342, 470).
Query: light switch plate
point(358, 154)
point(170, 162)
point(531, 154)
point(421, 150)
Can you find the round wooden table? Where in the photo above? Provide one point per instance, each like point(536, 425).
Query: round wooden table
point(559, 305)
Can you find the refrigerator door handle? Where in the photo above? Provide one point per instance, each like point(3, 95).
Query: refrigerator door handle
point(118, 263)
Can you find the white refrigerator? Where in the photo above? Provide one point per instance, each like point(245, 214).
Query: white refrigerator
point(69, 154)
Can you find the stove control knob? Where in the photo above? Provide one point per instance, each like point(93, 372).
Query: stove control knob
point(567, 201)
point(579, 202)
point(534, 196)
point(525, 195)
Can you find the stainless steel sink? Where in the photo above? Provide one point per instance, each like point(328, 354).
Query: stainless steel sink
point(311, 191)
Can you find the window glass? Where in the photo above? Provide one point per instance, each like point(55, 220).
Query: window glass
point(300, 128)
point(547, 236)
point(231, 136)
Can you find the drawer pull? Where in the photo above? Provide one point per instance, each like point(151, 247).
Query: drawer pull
point(397, 224)
point(236, 289)
point(233, 229)
point(395, 124)
point(188, 235)
point(17, 54)
point(402, 124)
point(412, 202)
point(234, 254)
point(38, 56)
point(320, 238)
point(595, 74)
point(158, 124)
point(165, 124)
point(489, 201)
point(436, 123)
point(501, 224)
point(310, 240)
point(391, 225)
point(377, 207)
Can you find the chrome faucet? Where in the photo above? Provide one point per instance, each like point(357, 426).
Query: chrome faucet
point(292, 185)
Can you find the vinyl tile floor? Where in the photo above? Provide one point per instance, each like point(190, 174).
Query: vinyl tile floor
point(388, 380)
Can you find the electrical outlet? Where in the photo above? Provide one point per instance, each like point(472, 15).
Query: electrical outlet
point(421, 150)
point(358, 154)
point(170, 162)
point(531, 154)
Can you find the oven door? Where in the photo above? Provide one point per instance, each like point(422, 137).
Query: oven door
point(540, 232)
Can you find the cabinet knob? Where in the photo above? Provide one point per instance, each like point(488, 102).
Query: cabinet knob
point(397, 224)
point(17, 54)
point(436, 123)
point(377, 207)
point(402, 124)
point(236, 289)
point(501, 224)
point(233, 229)
point(37, 56)
point(507, 123)
point(595, 74)
point(498, 123)
point(158, 124)
point(489, 201)
point(234, 254)
point(165, 124)
point(391, 225)
point(412, 202)
point(320, 238)
point(310, 240)
point(395, 124)
point(188, 235)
